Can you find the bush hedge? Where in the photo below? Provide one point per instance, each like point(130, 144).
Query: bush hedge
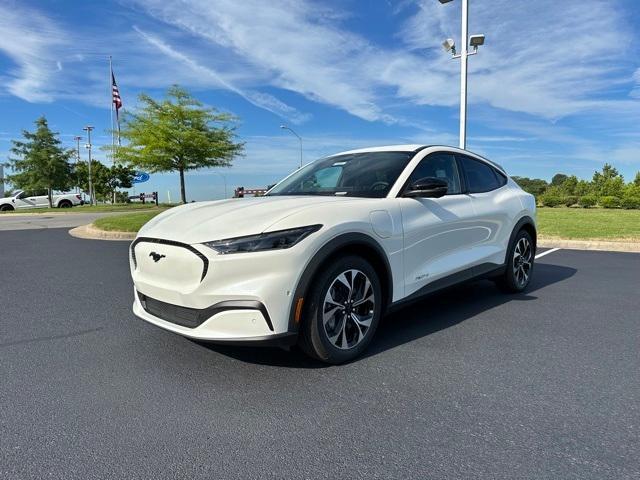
point(609, 202)
point(587, 201)
point(630, 202)
point(551, 200)
point(570, 200)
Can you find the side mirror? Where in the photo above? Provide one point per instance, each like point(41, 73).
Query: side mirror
point(428, 187)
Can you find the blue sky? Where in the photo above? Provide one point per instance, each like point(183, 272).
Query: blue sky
point(556, 88)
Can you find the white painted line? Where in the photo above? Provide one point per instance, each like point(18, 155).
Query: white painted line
point(540, 255)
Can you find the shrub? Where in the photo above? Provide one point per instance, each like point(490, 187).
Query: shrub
point(551, 200)
point(609, 202)
point(630, 202)
point(587, 201)
point(570, 200)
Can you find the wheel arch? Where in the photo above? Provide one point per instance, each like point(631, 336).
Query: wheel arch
point(525, 223)
point(63, 201)
point(359, 244)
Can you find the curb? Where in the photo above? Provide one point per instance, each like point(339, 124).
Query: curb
point(89, 232)
point(598, 245)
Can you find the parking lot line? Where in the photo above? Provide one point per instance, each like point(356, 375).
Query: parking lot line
point(546, 252)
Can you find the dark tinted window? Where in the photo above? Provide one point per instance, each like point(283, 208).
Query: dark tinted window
point(442, 166)
point(480, 176)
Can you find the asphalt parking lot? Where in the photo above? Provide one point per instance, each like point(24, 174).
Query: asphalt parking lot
point(470, 383)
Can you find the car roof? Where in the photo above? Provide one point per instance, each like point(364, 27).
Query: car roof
point(417, 148)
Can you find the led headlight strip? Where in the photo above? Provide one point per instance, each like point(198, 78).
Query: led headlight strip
point(278, 240)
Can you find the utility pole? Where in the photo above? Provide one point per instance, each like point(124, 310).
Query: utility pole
point(88, 129)
point(284, 127)
point(77, 138)
point(474, 41)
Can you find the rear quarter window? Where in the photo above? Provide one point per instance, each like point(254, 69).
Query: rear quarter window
point(481, 177)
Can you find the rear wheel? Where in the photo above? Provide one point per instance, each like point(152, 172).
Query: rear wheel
point(520, 258)
point(343, 311)
point(6, 208)
point(64, 204)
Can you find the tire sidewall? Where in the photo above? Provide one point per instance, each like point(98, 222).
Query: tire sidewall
point(314, 326)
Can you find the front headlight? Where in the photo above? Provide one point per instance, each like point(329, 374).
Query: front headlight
point(264, 241)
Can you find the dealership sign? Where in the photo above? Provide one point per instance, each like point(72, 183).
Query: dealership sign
point(140, 177)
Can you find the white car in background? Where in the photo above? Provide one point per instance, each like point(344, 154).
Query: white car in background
point(23, 199)
point(320, 258)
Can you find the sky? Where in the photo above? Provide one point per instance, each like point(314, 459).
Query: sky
point(555, 88)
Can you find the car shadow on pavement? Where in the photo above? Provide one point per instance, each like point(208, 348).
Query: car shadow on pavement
point(418, 319)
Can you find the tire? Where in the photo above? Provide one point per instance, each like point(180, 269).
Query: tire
point(6, 208)
point(64, 204)
point(334, 330)
point(519, 266)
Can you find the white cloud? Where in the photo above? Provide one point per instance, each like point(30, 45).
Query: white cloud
point(556, 69)
point(28, 39)
point(259, 99)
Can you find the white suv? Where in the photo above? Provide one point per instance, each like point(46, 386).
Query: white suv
point(320, 258)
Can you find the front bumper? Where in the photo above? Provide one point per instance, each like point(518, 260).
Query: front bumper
point(229, 322)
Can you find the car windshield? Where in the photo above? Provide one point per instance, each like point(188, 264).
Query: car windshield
point(367, 174)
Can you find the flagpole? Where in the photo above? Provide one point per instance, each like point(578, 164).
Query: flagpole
point(113, 142)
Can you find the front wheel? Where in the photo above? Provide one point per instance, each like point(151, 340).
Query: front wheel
point(343, 311)
point(6, 208)
point(520, 258)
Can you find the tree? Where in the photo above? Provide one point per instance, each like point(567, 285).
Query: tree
point(637, 179)
point(535, 186)
point(177, 134)
point(608, 182)
point(41, 163)
point(106, 180)
point(558, 179)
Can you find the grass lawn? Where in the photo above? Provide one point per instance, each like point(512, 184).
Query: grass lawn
point(589, 223)
point(131, 222)
point(118, 207)
point(569, 223)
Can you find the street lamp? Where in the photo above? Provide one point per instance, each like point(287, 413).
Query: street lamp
point(77, 138)
point(224, 179)
point(449, 45)
point(88, 129)
point(284, 127)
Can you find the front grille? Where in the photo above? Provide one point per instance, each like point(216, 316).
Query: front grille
point(194, 317)
point(184, 316)
point(205, 260)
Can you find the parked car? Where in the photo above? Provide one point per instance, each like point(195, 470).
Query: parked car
point(327, 251)
point(25, 199)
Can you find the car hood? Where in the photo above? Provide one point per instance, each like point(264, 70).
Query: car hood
point(206, 221)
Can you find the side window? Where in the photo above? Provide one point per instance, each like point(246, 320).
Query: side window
point(480, 176)
point(439, 165)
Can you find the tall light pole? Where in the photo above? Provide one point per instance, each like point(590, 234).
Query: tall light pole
point(88, 129)
point(77, 138)
point(474, 41)
point(284, 127)
point(224, 179)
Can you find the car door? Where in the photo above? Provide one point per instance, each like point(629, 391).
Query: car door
point(25, 200)
point(42, 199)
point(437, 231)
point(494, 208)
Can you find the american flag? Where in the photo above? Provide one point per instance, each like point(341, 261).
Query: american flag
point(117, 101)
point(115, 93)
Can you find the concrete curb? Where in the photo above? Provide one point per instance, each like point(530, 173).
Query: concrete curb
point(89, 232)
point(599, 245)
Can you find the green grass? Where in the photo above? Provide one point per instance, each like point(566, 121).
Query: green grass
point(569, 223)
point(118, 207)
point(589, 223)
point(131, 222)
